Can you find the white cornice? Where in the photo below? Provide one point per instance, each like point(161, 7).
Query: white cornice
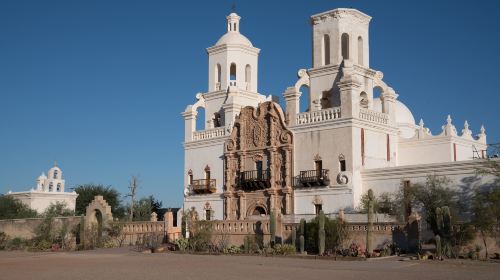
point(342, 123)
point(205, 143)
point(232, 47)
point(419, 170)
point(341, 13)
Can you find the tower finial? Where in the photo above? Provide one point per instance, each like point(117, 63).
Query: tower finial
point(55, 163)
point(233, 7)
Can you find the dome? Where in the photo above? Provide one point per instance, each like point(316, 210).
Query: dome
point(234, 38)
point(404, 117)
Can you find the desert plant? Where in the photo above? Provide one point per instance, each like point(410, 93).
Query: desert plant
point(284, 249)
point(369, 232)
point(182, 243)
point(321, 232)
point(4, 238)
point(272, 228)
point(294, 236)
point(301, 238)
point(438, 247)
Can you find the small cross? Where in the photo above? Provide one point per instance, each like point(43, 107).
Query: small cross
point(233, 7)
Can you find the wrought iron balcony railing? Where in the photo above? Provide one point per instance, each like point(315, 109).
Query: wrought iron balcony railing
point(309, 178)
point(254, 180)
point(203, 186)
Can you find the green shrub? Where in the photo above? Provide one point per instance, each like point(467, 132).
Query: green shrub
point(182, 243)
point(233, 249)
point(285, 249)
point(4, 238)
point(17, 243)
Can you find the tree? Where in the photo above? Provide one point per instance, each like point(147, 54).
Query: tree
point(486, 213)
point(144, 207)
point(11, 208)
point(385, 203)
point(133, 186)
point(87, 192)
point(433, 194)
point(58, 209)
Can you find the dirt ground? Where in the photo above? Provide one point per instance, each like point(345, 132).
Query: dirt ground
point(123, 264)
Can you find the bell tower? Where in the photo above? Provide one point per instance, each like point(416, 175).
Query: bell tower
point(340, 34)
point(233, 61)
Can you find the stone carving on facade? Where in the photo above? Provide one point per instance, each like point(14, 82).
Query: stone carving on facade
point(354, 15)
point(342, 178)
point(259, 136)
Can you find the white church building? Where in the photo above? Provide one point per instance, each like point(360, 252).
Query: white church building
point(253, 156)
point(49, 190)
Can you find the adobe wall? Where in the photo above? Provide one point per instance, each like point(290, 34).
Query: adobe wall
point(25, 228)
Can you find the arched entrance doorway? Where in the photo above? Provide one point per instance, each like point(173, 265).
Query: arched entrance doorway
point(259, 211)
point(97, 216)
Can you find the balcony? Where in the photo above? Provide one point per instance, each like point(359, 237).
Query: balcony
point(203, 186)
point(254, 180)
point(318, 116)
point(209, 133)
point(309, 178)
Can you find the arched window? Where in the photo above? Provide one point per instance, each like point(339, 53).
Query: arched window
point(248, 75)
point(58, 187)
point(217, 76)
point(363, 100)
point(345, 46)
point(342, 163)
point(217, 120)
point(360, 51)
point(232, 72)
point(55, 174)
point(326, 49)
point(51, 187)
point(190, 177)
point(305, 99)
point(200, 118)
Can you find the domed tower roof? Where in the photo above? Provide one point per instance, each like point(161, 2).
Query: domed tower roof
point(404, 118)
point(233, 35)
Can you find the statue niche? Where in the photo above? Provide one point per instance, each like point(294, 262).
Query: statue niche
point(258, 161)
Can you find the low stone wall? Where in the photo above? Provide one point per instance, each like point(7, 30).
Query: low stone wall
point(25, 228)
point(133, 231)
point(236, 230)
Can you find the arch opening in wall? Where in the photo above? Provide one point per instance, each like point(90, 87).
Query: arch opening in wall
point(305, 99)
point(248, 76)
point(360, 51)
point(345, 45)
point(217, 120)
point(232, 72)
point(259, 211)
point(326, 49)
point(51, 187)
point(58, 187)
point(363, 100)
point(55, 174)
point(218, 73)
point(377, 93)
point(200, 118)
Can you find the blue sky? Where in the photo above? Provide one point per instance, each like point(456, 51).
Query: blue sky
point(99, 85)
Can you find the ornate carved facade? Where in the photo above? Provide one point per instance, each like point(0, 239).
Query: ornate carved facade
point(258, 164)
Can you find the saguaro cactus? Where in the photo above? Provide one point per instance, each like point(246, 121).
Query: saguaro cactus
point(321, 233)
point(82, 232)
point(438, 247)
point(302, 233)
point(294, 236)
point(272, 228)
point(369, 231)
point(446, 234)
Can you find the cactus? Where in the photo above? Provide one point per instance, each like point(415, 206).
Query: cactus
point(302, 228)
point(302, 244)
point(439, 220)
point(272, 228)
point(438, 247)
point(302, 233)
point(321, 233)
point(82, 232)
point(294, 236)
point(369, 231)
point(446, 231)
